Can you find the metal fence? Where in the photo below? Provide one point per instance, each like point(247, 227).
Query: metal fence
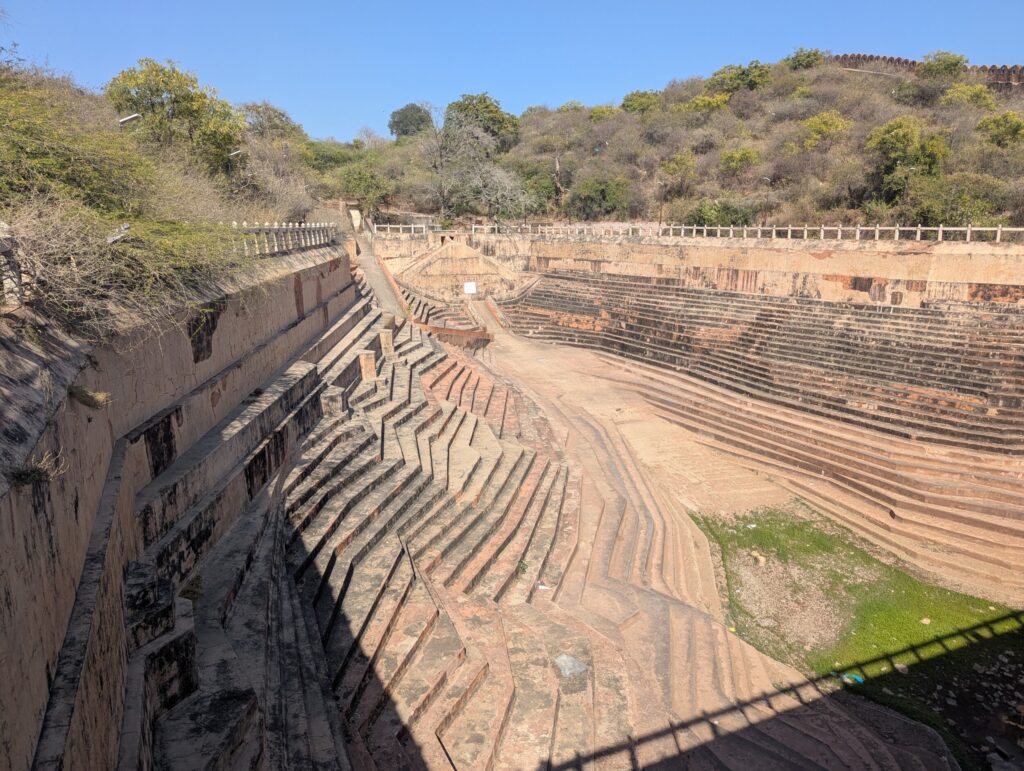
point(969, 233)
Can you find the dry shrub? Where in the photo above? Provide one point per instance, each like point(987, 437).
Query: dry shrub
point(87, 397)
point(272, 182)
point(98, 280)
point(50, 466)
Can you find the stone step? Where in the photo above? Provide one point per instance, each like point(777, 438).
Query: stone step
point(519, 585)
point(443, 535)
point(471, 729)
point(503, 558)
point(183, 483)
point(311, 541)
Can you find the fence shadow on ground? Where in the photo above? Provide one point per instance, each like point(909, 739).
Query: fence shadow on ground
point(979, 664)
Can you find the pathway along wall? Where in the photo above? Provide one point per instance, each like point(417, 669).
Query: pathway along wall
point(65, 542)
point(899, 273)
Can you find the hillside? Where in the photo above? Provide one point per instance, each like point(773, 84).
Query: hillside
point(802, 140)
point(115, 207)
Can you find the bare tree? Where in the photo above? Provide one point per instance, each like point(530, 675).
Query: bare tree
point(455, 153)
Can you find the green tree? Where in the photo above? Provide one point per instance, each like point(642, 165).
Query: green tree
point(805, 59)
point(1003, 130)
point(942, 65)
point(603, 112)
point(824, 128)
point(409, 120)
point(905, 150)
point(176, 109)
point(641, 102)
point(485, 111)
point(705, 103)
point(595, 197)
point(713, 213)
point(363, 182)
point(976, 95)
point(48, 149)
point(734, 77)
point(955, 200)
point(738, 160)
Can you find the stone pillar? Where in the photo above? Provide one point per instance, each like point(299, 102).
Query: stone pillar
point(368, 365)
point(387, 343)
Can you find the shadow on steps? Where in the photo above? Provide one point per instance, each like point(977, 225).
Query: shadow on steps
point(966, 685)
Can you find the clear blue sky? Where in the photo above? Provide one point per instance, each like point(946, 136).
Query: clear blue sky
point(338, 66)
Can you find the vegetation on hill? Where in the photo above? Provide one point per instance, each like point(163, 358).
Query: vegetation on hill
point(117, 225)
point(799, 141)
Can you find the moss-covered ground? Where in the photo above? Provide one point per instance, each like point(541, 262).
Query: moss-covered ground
point(951, 660)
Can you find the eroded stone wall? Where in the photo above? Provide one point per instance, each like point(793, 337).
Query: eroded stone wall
point(72, 536)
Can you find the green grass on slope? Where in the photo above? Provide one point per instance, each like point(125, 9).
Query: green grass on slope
point(917, 647)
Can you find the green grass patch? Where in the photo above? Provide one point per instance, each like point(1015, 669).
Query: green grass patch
point(939, 656)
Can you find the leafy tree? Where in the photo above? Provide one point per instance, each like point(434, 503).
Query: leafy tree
point(266, 121)
point(596, 197)
point(738, 160)
point(1003, 130)
point(824, 128)
point(955, 200)
point(706, 103)
point(485, 111)
point(362, 182)
point(175, 108)
point(734, 77)
point(713, 213)
point(677, 172)
point(805, 59)
point(603, 112)
point(48, 149)
point(942, 65)
point(976, 95)
point(904, 150)
point(641, 102)
point(409, 120)
point(572, 106)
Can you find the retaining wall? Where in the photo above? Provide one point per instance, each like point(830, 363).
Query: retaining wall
point(65, 543)
point(902, 273)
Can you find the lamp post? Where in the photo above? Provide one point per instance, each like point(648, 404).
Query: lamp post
point(231, 156)
point(764, 210)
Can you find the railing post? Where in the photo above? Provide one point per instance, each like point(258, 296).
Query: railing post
point(999, 233)
point(877, 230)
point(773, 232)
point(805, 232)
point(896, 234)
point(918, 235)
point(969, 227)
point(857, 236)
point(940, 233)
point(822, 233)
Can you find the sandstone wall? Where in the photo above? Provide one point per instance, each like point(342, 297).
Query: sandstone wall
point(902, 273)
point(65, 542)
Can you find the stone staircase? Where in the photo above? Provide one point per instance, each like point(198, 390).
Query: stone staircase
point(946, 374)
point(903, 425)
point(414, 576)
